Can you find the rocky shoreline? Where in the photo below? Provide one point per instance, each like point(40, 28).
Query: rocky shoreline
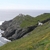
point(13, 30)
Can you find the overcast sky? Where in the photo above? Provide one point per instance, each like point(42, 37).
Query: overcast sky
point(25, 4)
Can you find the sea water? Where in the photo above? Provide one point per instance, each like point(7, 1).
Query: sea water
point(2, 39)
point(10, 14)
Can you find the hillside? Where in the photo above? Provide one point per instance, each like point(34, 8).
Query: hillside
point(36, 39)
point(33, 21)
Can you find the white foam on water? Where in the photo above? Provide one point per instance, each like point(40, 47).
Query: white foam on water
point(1, 32)
point(0, 29)
point(1, 22)
point(2, 39)
point(2, 42)
point(7, 40)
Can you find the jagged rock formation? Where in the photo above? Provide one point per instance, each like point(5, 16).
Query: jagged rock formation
point(13, 33)
point(13, 29)
point(5, 25)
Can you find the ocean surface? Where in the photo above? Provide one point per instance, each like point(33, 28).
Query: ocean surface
point(2, 39)
point(10, 14)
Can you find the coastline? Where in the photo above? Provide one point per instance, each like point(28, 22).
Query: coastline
point(2, 39)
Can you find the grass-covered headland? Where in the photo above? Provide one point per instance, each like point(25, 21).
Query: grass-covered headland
point(37, 39)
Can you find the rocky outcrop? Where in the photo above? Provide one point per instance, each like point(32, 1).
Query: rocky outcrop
point(13, 33)
point(21, 32)
point(5, 25)
point(12, 29)
point(46, 20)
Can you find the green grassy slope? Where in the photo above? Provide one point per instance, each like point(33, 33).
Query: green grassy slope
point(38, 39)
point(28, 20)
point(32, 21)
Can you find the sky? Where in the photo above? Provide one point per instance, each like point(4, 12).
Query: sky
point(25, 4)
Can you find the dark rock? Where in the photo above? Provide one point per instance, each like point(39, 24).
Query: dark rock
point(5, 25)
point(10, 31)
point(46, 20)
point(12, 28)
point(21, 32)
point(15, 35)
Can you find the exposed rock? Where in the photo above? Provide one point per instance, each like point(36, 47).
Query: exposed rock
point(5, 25)
point(21, 32)
point(9, 31)
point(15, 35)
point(13, 32)
point(12, 29)
point(46, 20)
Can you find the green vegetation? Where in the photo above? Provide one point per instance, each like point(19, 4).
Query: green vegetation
point(27, 20)
point(38, 39)
point(32, 21)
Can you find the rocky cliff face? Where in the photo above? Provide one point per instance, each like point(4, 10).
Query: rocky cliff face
point(13, 29)
point(13, 32)
point(5, 25)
